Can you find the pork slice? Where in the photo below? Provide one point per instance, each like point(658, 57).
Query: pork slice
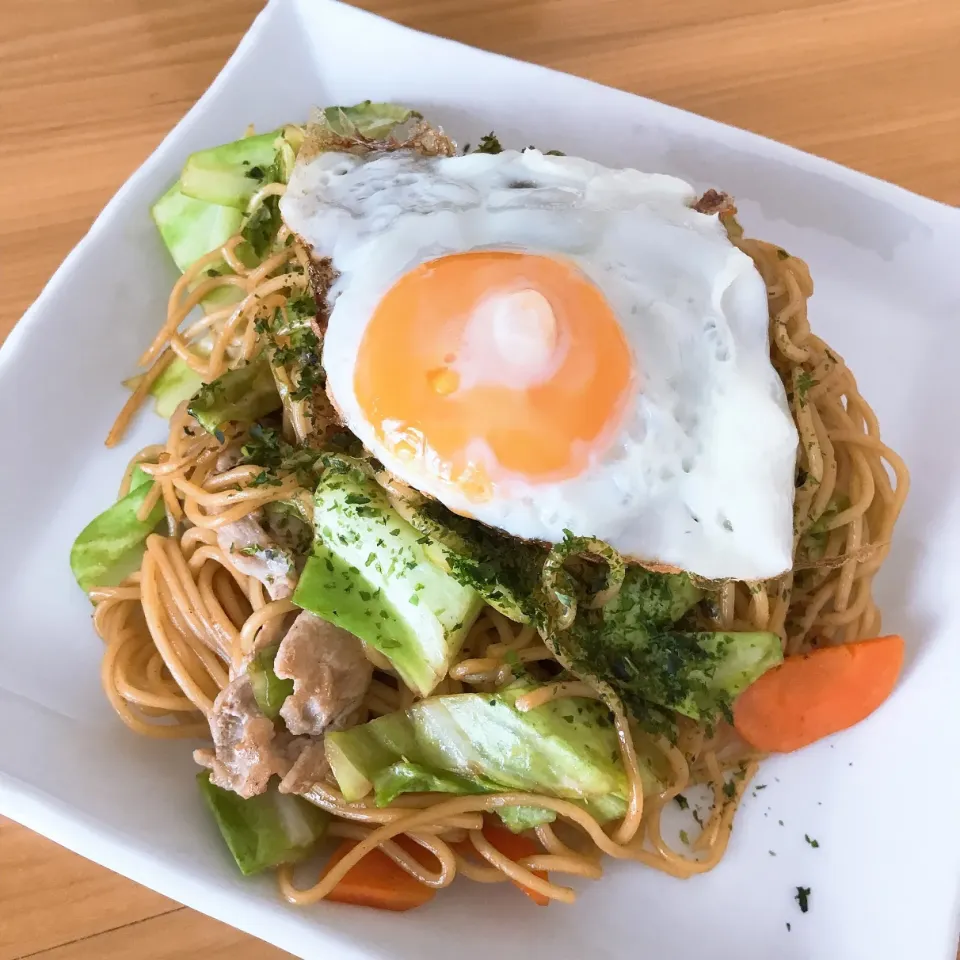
point(246, 751)
point(330, 675)
point(229, 457)
point(255, 553)
point(309, 768)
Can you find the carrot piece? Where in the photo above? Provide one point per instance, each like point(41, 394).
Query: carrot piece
point(376, 881)
point(813, 695)
point(516, 846)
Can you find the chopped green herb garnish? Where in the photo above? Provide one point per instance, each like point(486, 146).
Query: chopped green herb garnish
point(265, 479)
point(489, 144)
point(262, 226)
point(805, 383)
point(813, 843)
point(681, 801)
point(803, 898)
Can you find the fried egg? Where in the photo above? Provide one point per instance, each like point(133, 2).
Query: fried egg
point(550, 345)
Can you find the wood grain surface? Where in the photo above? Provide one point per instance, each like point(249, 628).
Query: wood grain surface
point(88, 89)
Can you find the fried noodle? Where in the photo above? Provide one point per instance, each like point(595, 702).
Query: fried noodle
point(178, 629)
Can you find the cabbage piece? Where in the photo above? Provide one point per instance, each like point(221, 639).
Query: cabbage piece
point(229, 175)
point(632, 646)
point(109, 548)
point(264, 831)
point(372, 120)
point(269, 690)
point(191, 228)
point(505, 571)
point(245, 393)
point(178, 382)
point(480, 743)
point(369, 574)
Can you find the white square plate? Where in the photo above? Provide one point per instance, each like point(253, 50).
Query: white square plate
point(879, 799)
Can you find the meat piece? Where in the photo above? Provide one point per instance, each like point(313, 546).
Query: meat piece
point(715, 202)
point(255, 553)
point(246, 750)
point(229, 457)
point(330, 675)
point(290, 524)
point(309, 768)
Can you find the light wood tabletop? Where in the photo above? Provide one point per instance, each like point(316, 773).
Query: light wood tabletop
point(88, 89)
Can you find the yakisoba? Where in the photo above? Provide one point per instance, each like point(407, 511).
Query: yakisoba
point(181, 628)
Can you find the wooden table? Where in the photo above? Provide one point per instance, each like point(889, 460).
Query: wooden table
point(88, 89)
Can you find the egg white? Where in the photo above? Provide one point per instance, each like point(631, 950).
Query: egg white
point(700, 475)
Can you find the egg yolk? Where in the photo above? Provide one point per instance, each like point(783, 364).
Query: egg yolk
point(489, 364)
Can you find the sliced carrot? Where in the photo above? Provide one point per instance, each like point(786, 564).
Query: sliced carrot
point(376, 881)
point(516, 846)
point(813, 695)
